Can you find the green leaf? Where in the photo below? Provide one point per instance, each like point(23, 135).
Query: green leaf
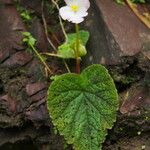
point(84, 106)
point(28, 39)
point(32, 41)
point(55, 77)
point(67, 50)
point(120, 1)
point(84, 36)
point(27, 34)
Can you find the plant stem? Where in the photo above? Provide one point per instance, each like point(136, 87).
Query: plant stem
point(56, 55)
point(45, 28)
point(60, 20)
point(78, 60)
point(51, 54)
point(42, 60)
point(133, 7)
point(66, 65)
point(46, 31)
point(77, 49)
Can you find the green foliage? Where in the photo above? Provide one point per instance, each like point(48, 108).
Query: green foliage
point(84, 36)
point(28, 39)
point(67, 50)
point(120, 1)
point(26, 15)
point(84, 106)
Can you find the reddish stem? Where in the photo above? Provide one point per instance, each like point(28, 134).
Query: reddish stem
point(78, 65)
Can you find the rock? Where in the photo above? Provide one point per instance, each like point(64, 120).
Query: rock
point(38, 32)
point(11, 27)
point(38, 115)
point(11, 104)
point(134, 99)
point(39, 96)
point(23, 109)
point(139, 142)
point(8, 112)
point(18, 59)
point(133, 113)
point(35, 70)
point(34, 4)
point(6, 1)
point(114, 35)
point(34, 88)
point(4, 54)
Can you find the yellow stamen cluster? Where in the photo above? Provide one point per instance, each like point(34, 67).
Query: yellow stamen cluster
point(75, 8)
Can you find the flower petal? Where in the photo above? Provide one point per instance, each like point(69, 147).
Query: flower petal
point(65, 12)
point(82, 12)
point(76, 19)
point(80, 3)
point(83, 3)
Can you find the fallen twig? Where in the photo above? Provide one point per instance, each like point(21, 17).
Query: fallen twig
point(133, 7)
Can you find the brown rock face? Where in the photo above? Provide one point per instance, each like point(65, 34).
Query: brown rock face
point(136, 98)
point(34, 88)
point(38, 32)
point(115, 32)
point(6, 1)
point(34, 4)
point(18, 59)
point(21, 93)
point(10, 28)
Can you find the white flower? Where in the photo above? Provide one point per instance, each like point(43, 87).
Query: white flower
point(75, 11)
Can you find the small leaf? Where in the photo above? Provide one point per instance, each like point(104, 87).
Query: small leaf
point(28, 39)
point(55, 77)
point(120, 1)
point(26, 33)
point(82, 50)
point(26, 15)
point(32, 41)
point(65, 51)
point(25, 40)
point(83, 35)
point(83, 107)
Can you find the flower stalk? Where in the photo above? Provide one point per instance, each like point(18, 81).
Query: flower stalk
point(78, 60)
point(42, 60)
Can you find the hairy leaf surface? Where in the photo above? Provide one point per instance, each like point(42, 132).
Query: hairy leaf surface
point(83, 107)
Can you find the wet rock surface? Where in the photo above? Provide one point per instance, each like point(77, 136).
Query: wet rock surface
point(23, 87)
point(115, 32)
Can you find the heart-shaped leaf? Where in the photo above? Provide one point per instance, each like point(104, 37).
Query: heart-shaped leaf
point(83, 107)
